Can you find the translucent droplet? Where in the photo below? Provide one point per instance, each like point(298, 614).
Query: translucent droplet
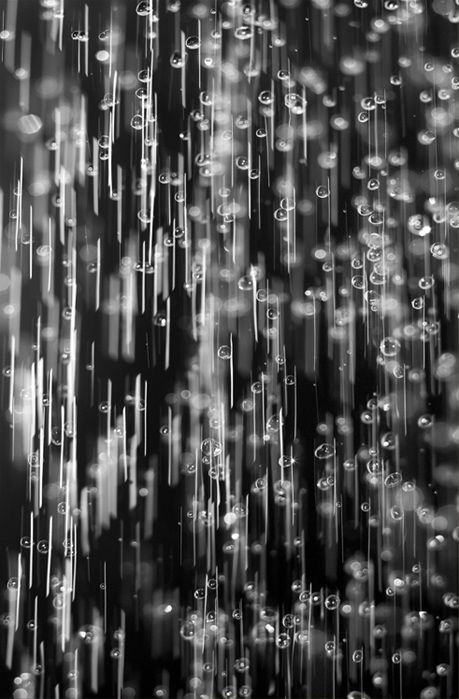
point(242, 665)
point(286, 461)
point(177, 60)
point(187, 631)
point(324, 451)
point(439, 251)
point(418, 303)
point(243, 33)
point(332, 602)
point(143, 8)
point(393, 479)
point(266, 97)
point(419, 225)
point(283, 640)
point(273, 424)
point(137, 122)
point(396, 512)
point(389, 347)
point(322, 192)
point(42, 546)
point(192, 43)
point(425, 421)
point(245, 283)
point(210, 447)
point(224, 352)
point(160, 320)
point(144, 215)
point(242, 162)
point(272, 313)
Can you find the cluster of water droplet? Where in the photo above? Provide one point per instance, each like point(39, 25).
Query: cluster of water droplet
point(228, 306)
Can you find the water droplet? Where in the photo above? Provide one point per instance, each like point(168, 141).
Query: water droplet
point(273, 424)
point(143, 8)
point(389, 347)
point(322, 192)
point(246, 283)
point(324, 451)
point(177, 60)
point(192, 43)
point(137, 122)
point(224, 352)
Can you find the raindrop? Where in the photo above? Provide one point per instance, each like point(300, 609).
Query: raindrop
point(324, 451)
point(224, 352)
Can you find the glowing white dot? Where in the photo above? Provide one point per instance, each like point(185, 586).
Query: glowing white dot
point(103, 56)
point(230, 518)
